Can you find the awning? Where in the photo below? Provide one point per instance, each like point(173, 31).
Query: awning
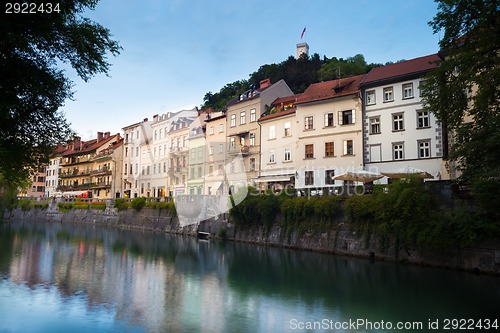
point(271, 179)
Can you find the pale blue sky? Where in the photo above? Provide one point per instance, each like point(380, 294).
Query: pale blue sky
point(176, 51)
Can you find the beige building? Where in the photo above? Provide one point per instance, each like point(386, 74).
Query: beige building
point(88, 168)
point(329, 133)
point(279, 131)
point(197, 156)
point(243, 131)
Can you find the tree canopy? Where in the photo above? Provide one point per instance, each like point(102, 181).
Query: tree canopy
point(297, 73)
point(33, 87)
point(463, 92)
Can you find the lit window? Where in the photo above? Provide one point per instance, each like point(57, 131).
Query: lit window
point(388, 94)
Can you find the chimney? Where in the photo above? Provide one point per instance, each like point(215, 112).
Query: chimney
point(145, 120)
point(265, 83)
point(100, 136)
point(77, 142)
point(155, 118)
point(106, 135)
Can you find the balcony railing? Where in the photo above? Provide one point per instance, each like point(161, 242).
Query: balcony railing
point(75, 173)
point(103, 170)
point(75, 187)
point(235, 150)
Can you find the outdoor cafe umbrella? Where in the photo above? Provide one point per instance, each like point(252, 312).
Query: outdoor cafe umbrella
point(408, 172)
point(359, 176)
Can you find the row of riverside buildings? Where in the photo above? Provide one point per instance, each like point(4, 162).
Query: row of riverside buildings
point(267, 137)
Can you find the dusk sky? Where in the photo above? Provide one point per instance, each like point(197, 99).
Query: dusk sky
point(174, 52)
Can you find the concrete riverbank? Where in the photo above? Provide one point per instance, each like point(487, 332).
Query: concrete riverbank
point(340, 239)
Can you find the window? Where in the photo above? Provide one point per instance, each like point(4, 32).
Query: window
point(219, 169)
point(288, 155)
point(375, 125)
point(252, 139)
point(253, 116)
point(347, 117)
point(221, 127)
point(242, 118)
point(424, 149)
point(200, 152)
point(221, 148)
point(211, 132)
point(309, 151)
point(233, 120)
point(423, 119)
point(329, 174)
point(329, 151)
point(232, 142)
point(309, 178)
point(308, 123)
point(193, 153)
point(156, 135)
point(407, 90)
point(398, 151)
point(252, 164)
point(348, 147)
point(370, 97)
point(388, 94)
point(397, 122)
point(211, 150)
point(272, 156)
point(288, 128)
point(329, 119)
point(272, 132)
point(420, 88)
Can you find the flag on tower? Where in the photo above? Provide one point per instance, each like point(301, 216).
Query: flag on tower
point(303, 32)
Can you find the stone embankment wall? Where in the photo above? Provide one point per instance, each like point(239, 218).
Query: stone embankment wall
point(340, 240)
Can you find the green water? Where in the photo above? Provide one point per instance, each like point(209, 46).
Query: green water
point(79, 278)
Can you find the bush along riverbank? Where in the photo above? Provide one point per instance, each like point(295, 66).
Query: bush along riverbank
point(403, 222)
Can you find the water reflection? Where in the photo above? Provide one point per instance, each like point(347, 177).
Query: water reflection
point(82, 278)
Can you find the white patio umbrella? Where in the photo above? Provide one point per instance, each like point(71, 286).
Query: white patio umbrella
point(359, 176)
point(407, 172)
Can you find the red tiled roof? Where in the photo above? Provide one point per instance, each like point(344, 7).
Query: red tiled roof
point(278, 114)
point(87, 146)
point(413, 66)
point(331, 89)
point(286, 100)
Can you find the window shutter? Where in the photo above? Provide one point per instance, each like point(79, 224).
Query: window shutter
point(341, 122)
point(353, 116)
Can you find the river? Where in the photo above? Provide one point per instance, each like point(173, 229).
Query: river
point(84, 278)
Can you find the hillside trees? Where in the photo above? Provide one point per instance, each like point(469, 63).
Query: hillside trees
point(33, 86)
point(464, 93)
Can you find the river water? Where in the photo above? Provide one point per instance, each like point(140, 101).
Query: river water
point(81, 278)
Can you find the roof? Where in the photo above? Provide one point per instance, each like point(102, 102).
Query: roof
point(80, 147)
point(286, 100)
point(331, 89)
point(417, 66)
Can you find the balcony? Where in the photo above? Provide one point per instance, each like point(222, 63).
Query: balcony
point(101, 185)
point(101, 171)
point(75, 187)
point(235, 150)
point(75, 160)
point(74, 173)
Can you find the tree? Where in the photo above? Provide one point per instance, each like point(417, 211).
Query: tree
point(463, 92)
point(33, 87)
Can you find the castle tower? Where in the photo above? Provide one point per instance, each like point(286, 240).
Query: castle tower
point(302, 48)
